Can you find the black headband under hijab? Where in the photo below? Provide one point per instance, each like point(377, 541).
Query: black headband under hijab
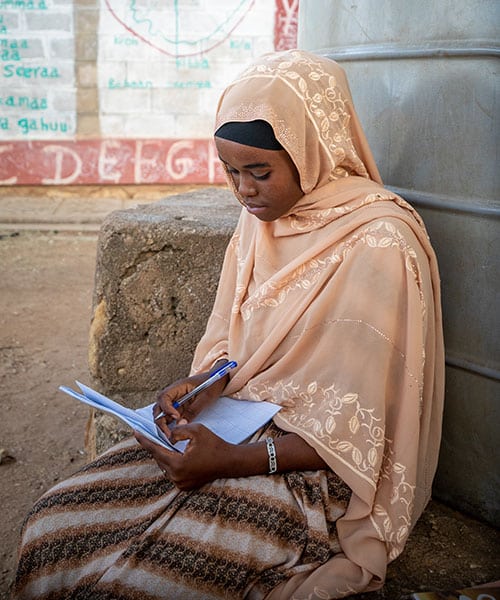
point(258, 134)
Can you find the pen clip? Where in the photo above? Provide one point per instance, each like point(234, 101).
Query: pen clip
point(223, 370)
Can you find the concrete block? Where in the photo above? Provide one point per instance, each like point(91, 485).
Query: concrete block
point(9, 22)
point(145, 70)
point(111, 72)
point(20, 98)
point(36, 74)
point(87, 100)
point(86, 73)
point(63, 103)
point(83, 3)
point(108, 25)
point(86, 47)
point(86, 21)
point(63, 49)
point(89, 125)
point(36, 126)
point(150, 126)
point(125, 101)
point(224, 74)
point(184, 102)
point(156, 277)
point(34, 47)
point(257, 19)
point(110, 125)
point(52, 21)
point(126, 46)
point(197, 126)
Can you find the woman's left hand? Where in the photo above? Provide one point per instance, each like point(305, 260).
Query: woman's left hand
point(207, 456)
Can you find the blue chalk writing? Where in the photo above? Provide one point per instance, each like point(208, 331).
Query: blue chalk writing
point(9, 49)
point(191, 63)
point(190, 84)
point(240, 44)
point(4, 123)
point(24, 72)
point(10, 55)
point(125, 41)
point(13, 44)
point(113, 84)
point(26, 4)
point(32, 103)
point(41, 124)
point(183, 40)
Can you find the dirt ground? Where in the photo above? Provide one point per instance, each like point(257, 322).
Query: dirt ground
point(45, 306)
point(45, 309)
point(47, 261)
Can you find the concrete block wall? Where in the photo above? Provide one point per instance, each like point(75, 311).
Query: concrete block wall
point(156, 277)
point(185, 64)
point(87, 72)
point(37, 79)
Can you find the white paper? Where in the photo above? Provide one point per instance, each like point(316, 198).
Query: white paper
point(132, 418)
point(232, 420)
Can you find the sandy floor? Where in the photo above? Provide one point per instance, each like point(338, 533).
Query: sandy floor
point(44, 316)
point(48, 242)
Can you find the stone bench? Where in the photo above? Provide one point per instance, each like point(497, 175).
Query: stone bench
point(156, 277)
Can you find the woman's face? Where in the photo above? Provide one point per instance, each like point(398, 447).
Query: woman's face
point(266, 181)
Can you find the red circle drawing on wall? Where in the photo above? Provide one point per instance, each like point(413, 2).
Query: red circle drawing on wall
point(175, 31)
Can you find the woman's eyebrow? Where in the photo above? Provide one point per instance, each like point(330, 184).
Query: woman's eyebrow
point(256, 165)
point(249, 166)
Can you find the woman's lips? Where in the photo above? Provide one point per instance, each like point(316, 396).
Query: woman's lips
point(255, 209)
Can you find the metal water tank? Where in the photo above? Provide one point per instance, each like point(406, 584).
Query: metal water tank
point(424, 78)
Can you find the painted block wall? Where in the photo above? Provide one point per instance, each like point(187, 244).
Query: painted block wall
point(122, 91)
point(38, 95)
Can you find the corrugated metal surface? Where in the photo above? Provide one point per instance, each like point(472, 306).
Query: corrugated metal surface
point(424, 78)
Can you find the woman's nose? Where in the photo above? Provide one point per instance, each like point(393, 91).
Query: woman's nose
point(246, 185)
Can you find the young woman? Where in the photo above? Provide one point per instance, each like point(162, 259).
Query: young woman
point(329, 302)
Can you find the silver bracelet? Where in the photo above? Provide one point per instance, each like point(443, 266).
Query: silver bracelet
point(271, 451)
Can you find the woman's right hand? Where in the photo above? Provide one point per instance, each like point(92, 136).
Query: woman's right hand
point(175, 391)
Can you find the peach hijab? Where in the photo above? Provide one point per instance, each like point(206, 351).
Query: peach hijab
point(333, 312)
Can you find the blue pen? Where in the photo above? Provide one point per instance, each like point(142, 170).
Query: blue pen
point(216, 375)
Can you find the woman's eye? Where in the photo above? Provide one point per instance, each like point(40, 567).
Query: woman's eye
point(235, 173)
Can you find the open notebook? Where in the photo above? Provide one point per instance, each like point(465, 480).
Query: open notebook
point(232, 420)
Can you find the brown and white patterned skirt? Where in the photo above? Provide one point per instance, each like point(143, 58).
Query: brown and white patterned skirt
point(118, 529)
